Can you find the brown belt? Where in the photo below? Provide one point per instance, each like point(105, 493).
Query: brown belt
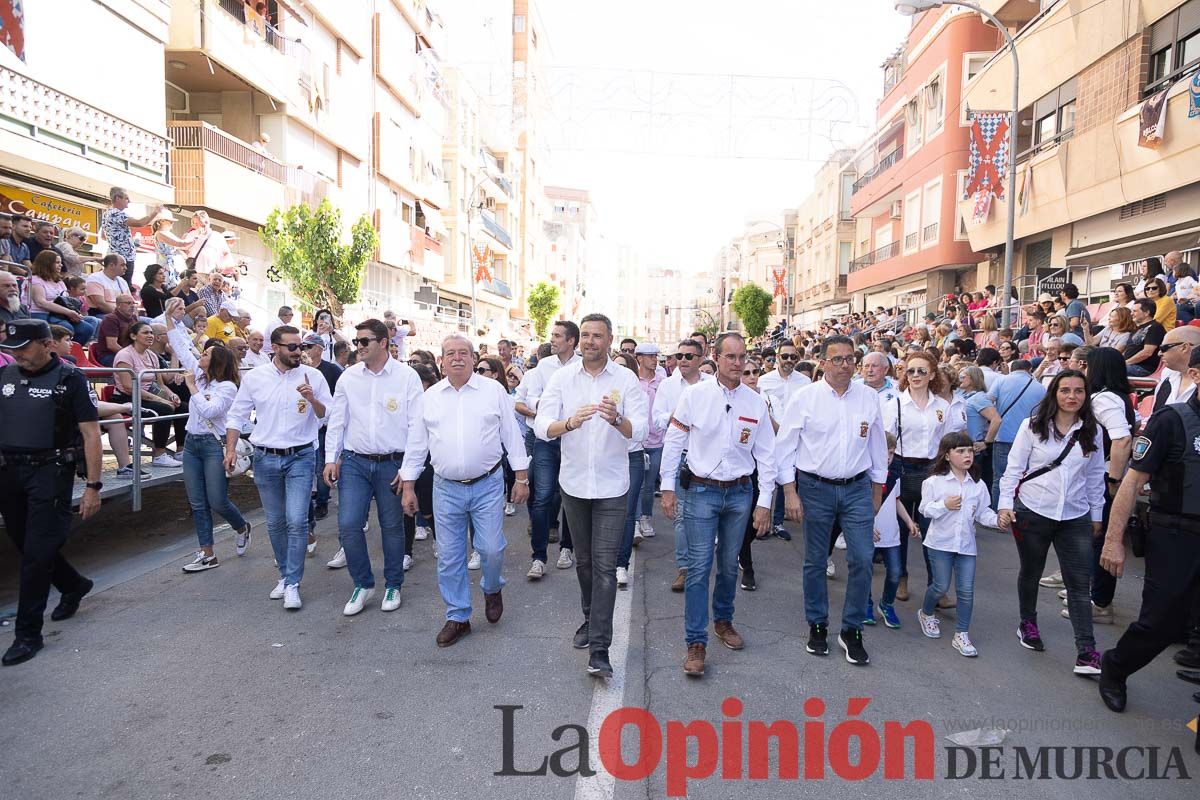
point(742, 481)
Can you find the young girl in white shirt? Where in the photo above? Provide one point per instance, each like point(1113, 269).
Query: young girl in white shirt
point(892, 514)
point(953, 499)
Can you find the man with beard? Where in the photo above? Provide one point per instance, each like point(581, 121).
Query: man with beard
point(10, 299)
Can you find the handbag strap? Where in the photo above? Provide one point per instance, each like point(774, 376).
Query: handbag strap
point(1042, 470)
point(1009, 407)
point(202, 244)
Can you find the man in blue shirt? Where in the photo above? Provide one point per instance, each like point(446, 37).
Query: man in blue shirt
point(1015, 396)
point(1075, 311)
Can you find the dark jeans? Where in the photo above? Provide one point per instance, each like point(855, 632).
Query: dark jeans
point(1072, 540)
point(633, 501)
point(424, 490)
point(1000, 451)
point(547, 499)
point(36, 505)
point(597, 525)
point(746, 557)
point(911, 478)
point(322, 498)
point(1104, 584)
point(1168, 598)
point(360, 481)
point(851, 507)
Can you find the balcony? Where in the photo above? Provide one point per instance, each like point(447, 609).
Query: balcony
point(498, 287)
point(882, 254)
point(930, 234)
point(495, 229)
point(911, 241)
point(885, 163)
point(213, 169)
point(425, 254)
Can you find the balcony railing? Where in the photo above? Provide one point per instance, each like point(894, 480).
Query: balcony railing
point(882, 254)
point(188, 135)
point(884, 164)
point(271, 34)
point(930, 234)
point(497, 286)
point(911, 240)
point(495, 229)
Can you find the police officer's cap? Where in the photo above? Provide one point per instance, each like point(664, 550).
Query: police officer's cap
point(21, 332)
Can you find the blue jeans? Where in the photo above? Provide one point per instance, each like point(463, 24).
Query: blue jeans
point(207, 487)
point(637, 475)
point(1136, 371)
point(455, 507)
point(547, 500)
point(712, 513)
point(82, 331)
point(942, 563)
point(1185, 312)
point(777, 513)
point(852, 508)
point(891, 563)
point(360, 480)
point(999, 465)
point(653, 467)
point(322, 498)
point(284, 485)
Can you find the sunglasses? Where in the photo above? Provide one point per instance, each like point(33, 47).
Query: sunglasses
point(1064, 358)
point(686, 356)
point(365, 341)
point(1163, 348)
point(291, 348)
point(482, 370)
point(748, 372)
point(627, 350)
point(916, 372)
point(788, 357)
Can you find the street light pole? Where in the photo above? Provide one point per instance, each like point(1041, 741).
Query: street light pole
point(911, 7)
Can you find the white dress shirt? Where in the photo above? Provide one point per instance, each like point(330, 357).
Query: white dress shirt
point(374, 413)
point(209, 406)
point(595, 460)
point(781, 391)
point(990, 376)
point(464, 430)
point(1174, 379)
point(271, 326)
point(726, 433)
point(918, 431)
point(887, 520)
point(1069, 491)
point(954, 531)
point(831, 435)
point(253, 359)
point(533, 383)
point(666, 399)
point(1109, 410)
point(957, 420)
point(283, 417)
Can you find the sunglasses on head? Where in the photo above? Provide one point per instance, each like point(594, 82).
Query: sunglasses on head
point(365, 341)
point(686, 356)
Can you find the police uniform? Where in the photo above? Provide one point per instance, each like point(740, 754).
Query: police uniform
point(41, 446)
point(1169, 451)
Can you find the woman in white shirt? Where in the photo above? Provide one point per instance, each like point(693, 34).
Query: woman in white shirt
point(1056, 466)
point(213, 382)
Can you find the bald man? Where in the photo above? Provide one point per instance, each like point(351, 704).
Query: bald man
point(1175, 386)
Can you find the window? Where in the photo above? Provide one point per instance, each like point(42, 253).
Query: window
point(844, 252)
point(960, 228)
point(1174, 46)
point(1053, 116)
point(935, 106)
point(847, 189)
point(519, 23)
point(913, 118)
point(406, 213)
point(912, 222)
point(931, 213)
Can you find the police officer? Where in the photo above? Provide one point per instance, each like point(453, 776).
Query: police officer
point(1168, 456)
point(48, 423)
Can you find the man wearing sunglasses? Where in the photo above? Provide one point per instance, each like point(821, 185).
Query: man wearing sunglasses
point(629, 346)
point(778, 386)
point(1175, 385)
point(688, 356)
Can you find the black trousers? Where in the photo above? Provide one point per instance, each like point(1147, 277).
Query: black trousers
point(1168, 598)
point(424, 489)
point(36, 505)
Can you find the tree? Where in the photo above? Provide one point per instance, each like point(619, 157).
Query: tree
point(543, 302)
point(752, 304)
point(307, 243)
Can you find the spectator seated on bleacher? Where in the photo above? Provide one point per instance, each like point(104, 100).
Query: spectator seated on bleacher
point(112, 329)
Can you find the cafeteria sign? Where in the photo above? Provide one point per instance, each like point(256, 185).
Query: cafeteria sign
point(63, 213)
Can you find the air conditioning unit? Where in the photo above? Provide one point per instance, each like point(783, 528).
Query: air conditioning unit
point(897, 208)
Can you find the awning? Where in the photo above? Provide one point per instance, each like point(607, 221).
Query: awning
point(1184, 236)
point(433, 220)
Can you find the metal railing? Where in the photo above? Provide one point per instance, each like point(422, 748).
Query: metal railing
point(190, 135)
point(875, 256)
point(911, 240)
point(930, 234)
point(884, 164)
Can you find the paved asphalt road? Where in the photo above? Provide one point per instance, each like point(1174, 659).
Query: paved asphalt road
point(195, 686)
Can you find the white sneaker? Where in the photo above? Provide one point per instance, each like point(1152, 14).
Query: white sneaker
point(536, 570)
point(830, 569)
point(201, 563)
point(566, 559)
point(291, 597)
point(358, 599)
point(622, 576)
point(1100, 615)
point(339, 559)
point(474, 561)
point(646, 527)
point(929, 625)
point(407, 563)
point(367, 526)
point(391, 600)
point(1062, 595)
point(242, 540)
point(312, 547)
point(165, 460)
point(277, 592)
point(422, 533)
point(1053, 581)
point(962, 643)
point(637, 536)
point(840, 542)
point(509, 509)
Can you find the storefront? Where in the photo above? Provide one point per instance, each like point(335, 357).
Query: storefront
point(64, 210)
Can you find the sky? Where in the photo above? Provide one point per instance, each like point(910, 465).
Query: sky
point(685, 119)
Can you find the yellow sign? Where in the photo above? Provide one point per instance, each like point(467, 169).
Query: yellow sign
point(1192, 725)
point(64, 213)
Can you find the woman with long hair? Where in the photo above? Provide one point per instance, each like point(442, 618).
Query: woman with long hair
point(1052, 493)
point(1151, 268)
point(48, 293)
point(983, 420)
point(326, 328)
point(492, 367)
point(1116, 334)
point(155, 394)
point(1123, 295)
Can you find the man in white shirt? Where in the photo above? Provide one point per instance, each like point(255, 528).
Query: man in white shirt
point(466, 424)
point(832, 457)
point(547, 453)
point(1177, 347)
point(102, 288)
point(398, 331)
point(726, 431)
point(284, 317)
point(778, 386)
point(289, 400)
point(254, 355)
point(595, 407)
point(376, 411)
point(875, 369)
point(687, 357)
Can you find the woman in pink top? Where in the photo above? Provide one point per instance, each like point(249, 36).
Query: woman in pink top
point(45, 287)
point(155, 394)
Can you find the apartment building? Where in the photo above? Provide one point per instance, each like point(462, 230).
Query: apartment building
point(572, 237)
point(758, 255)
point(820, 235)
point(909, 245)
point(1097, 203)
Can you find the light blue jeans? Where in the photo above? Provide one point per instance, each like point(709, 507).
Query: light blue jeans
point(359, 481)
point(709, 514)
point(653, 467)
point(850, 506)
point(207, 487)
point(455, 507)
point(963, 567)
point(284, 486)
point(1000, 452)
point(637, 475)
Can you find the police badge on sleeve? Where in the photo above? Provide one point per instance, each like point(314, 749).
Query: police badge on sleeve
point(1141, 446)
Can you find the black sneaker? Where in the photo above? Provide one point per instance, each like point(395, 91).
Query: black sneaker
point(581, 638)
point(598, 664)
point(321, 511)
point(851, 641)
point(818, 639)
point(782, 533)
point(1030, 637)
point(748, 583)
point(69, 603)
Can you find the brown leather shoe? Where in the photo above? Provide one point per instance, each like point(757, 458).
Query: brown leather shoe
point(902, 589)
point(493, 606)
point(680, 580)
point(452, 631)
point(728, 636)
point(694, 663)
point(947, 601)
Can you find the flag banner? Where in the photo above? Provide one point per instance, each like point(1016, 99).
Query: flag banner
point(1023, 197)
point(988, 158)
point(1194, 96)
point(983, 206)
point(12, 26)
point(483, 260)
point(779, 276)
point(1153, 120)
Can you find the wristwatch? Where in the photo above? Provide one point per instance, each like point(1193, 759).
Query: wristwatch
point(98, 485)
point(617, 420)
point(523, 483)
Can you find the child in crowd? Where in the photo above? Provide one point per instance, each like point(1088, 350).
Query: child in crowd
point(887, 540)
point(953, 500)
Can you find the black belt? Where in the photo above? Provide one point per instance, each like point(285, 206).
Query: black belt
point(40, 458)
point(284, 451)
point(916, 462)
point(1180, 522)
point(834, 481)
point(378, 459)
point(742, 481)
point(471, 481)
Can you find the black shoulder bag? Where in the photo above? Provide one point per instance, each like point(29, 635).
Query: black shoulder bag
point(190, 261)
point(1042, 470)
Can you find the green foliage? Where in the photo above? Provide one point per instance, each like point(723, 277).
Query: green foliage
point(543, 302)
point(752, 304)
point(309, 254)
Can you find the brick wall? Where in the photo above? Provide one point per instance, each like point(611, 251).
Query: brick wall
point(1112, 85)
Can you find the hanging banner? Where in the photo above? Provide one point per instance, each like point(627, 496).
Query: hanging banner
point(1153, 120)
point(982, 207)
point(482, 256)
point(12, 26)
point(1194, 96)
point(987, 161)
point(779, 276)
point(1026, 192)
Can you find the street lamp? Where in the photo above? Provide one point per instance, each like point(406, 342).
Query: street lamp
point(910, 7)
